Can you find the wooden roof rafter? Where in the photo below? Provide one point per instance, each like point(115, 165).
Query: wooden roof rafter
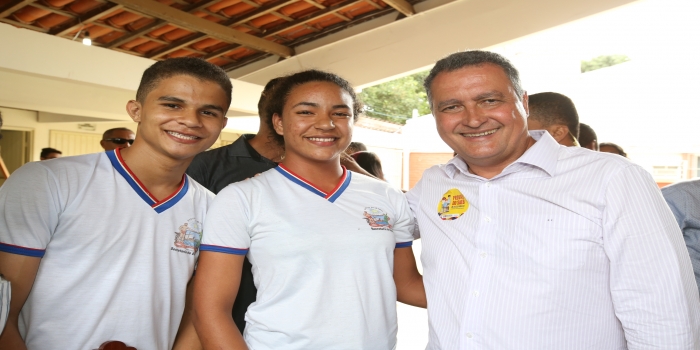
point(231, 22)
point(158, 23)
point(212, 29)
point(12, 7)
point(335, 28)
point(278, 29)
point(85, 18)
point(228, 33)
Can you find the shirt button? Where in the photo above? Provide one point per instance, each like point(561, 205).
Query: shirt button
point(488, 219)
point(475, 293)
point(488, 184)
point(469, 335)
point(483, 254)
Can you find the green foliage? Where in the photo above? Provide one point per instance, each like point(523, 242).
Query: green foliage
point(602, 62)
point(395, 100)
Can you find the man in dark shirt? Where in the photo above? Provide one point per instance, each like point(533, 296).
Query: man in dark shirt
point(246, 157)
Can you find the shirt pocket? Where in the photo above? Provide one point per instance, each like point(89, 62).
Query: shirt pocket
point(564, 244)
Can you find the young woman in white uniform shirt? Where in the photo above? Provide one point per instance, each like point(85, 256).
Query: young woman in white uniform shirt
point(330, 249)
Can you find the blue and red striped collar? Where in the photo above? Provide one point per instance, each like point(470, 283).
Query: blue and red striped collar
point(159, 206)
point(330, 196)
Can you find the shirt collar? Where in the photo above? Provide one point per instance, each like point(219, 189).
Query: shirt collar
point(544, 154)
point(242, 148)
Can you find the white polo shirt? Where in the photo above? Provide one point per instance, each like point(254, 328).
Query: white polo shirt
point(322, 262)
point(115, 261)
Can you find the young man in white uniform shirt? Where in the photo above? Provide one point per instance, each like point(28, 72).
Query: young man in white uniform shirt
point(101, 247)
point(547, 247)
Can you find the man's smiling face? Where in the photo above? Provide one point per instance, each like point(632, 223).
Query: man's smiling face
point(181, 117)
point(479, 115)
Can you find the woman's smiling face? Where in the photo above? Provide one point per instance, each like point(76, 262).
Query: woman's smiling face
point(316, 122)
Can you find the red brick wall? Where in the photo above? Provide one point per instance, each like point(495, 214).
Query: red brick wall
point(419, 162)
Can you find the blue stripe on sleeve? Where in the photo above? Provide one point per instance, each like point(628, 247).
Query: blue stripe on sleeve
point(14, 249)
point(220, 249)
point(404, 244)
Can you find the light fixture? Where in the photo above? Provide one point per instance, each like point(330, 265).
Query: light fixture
point(86, 39)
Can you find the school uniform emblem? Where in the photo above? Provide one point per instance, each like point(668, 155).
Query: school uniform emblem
point(187, 237)
point(452, 205)
point(377, 219)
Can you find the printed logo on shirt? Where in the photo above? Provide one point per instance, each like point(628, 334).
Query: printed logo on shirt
point(377, 219)
point(452, 205)
point(187, 237)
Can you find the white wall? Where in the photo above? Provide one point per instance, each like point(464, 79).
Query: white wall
point(17, 119)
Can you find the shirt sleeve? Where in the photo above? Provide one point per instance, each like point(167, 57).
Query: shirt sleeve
point(685, 206)
point(227, 222)
point(404, 223)
point(413, 199)
point(29, 208)
point(651, 280)
point(198, 170)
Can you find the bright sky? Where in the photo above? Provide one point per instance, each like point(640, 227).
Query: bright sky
point(646, 105)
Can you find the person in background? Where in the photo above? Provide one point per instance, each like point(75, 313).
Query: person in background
point(49, 153)
point(587, 137)
point(370, 162)
point(249, 155)
point(555, 113)
point(356, 147)
point(313, 231)
point(610, 147)
point(102, 246)
point(527, 254)
point(117, 138)
point(684, 200)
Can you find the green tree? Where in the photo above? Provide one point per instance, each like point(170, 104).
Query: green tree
point(395, 100)
point(602, 62)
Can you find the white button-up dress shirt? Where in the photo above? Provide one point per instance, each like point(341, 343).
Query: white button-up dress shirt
point(565, 249)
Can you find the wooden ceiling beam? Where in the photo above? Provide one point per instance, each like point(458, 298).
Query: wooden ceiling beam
point(158, 23)
point(402, 6)
point(8, 9)
point(314, 3)
point(212, 29)
point(307, 38)
point(261, 11)
point(280, 28)
point(23, 25)
point(374, 4)
point(310, 17)
point(85, 18)
point(54, 10)
point(231, 22)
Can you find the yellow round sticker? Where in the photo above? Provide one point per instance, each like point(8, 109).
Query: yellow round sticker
point(452, 205)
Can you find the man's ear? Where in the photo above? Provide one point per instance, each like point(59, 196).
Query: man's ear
point(526, 104)
point(225, 122)
point(133, 108)
point(559, 132)
point(277, 124)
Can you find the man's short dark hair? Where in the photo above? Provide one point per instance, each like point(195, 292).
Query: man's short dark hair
point(265, 97)
point(355, 147)
point(617, 148)
point(551, 108)
point(586, 135)
point(48, 150)
point(108, 134)
point(470, 58)
point(194, 67)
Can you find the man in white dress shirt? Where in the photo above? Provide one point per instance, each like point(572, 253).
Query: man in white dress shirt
point(542, 246)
